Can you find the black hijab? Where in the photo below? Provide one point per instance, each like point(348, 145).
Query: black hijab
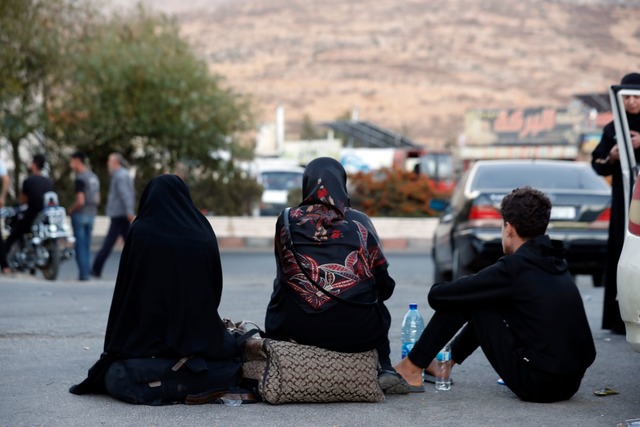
point(168, 288)
point(337, 245)
point(325, 182)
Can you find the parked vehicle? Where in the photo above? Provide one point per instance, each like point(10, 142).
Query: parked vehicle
point(45, 247)
point(629, 272)
point(439, 168)
point(468, 235)
point(278, 180)
point(629, 261)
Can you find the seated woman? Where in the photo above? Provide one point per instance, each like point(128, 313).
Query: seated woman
point(164, 337)
point(331, 283)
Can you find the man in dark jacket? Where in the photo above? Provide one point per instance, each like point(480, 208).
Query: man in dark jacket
point(525, 312)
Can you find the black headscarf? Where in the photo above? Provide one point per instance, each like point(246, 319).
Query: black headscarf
point(325, 182)
point(337, 245)
point(168, 288)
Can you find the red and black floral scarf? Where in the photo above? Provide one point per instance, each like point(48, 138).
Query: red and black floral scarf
point(336, 245)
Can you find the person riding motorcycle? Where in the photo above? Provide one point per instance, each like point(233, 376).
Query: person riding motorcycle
point(34, 188)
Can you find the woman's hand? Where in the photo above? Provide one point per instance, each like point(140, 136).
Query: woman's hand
point(614, 154)
point(635, 139)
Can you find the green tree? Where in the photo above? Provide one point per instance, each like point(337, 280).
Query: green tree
point(229, 192)
point(138, 88)
point(33, 43)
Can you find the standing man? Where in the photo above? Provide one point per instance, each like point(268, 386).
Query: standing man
point(4, 176)
point(120, 203)
point(524, 311)
point(83, 211)
point(32, 195)
point(605, 160)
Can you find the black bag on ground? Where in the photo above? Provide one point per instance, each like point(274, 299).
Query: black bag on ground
point(158, 381)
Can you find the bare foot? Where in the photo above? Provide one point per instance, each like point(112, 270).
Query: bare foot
point(431, 369)
point(410, 372)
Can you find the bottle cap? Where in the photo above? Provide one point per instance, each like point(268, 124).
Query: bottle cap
point(413, 306)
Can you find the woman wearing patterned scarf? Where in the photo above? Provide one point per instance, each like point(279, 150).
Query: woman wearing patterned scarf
point(332, 282)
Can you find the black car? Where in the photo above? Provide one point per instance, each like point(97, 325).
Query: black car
point(468, 235)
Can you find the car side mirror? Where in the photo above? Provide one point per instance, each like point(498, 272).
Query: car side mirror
point(438, 205)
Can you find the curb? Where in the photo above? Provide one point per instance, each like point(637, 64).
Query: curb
point(238, 233)
point(230, 244)
point(388, 245)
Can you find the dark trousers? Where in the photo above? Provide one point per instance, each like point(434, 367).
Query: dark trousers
point(487, 329)
point(119, 227)
point(384, 347)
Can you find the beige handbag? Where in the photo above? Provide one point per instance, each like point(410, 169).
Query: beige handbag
point(288, 372)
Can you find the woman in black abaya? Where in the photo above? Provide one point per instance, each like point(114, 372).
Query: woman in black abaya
point(164, 309)
point(606, 161)
point(339, 249)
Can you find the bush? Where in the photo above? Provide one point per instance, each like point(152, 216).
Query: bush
point(394, 193)
point(231, 195)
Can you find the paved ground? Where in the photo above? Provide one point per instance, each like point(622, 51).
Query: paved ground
point(52, 332)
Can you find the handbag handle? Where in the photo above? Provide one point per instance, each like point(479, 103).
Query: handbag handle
point(290, 246)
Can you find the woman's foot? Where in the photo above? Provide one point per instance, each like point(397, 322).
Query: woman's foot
point(411, 373)
point(392, 383)
point(431, 369)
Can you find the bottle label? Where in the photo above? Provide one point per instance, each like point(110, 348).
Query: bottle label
point(406, 348)
point(444, 356)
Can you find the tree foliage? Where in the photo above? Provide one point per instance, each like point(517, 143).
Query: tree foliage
point(33, 45)
point(72, 78)
point(231, 192)
point(138, 89)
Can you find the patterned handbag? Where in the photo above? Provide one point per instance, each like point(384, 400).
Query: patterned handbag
point(288, 372)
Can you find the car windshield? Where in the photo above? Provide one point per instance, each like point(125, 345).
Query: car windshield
point(542, 176)
point(281, 180)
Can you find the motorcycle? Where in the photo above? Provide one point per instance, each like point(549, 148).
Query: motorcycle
point(46, 245)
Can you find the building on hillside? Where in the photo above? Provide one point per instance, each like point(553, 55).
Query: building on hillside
point(568, 133)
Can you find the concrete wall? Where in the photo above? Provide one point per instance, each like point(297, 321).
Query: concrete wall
point(243, 232)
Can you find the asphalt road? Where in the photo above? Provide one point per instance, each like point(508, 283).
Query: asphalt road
point(52, 332)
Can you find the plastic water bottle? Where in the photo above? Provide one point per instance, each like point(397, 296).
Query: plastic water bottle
point(231, 402)
point(412, 327)
point(443, 369)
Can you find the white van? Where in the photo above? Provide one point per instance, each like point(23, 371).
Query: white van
point(277, 180)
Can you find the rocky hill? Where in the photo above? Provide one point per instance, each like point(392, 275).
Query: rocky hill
point(413, 66)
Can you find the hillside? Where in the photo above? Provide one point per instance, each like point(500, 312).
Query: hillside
point(413, 66)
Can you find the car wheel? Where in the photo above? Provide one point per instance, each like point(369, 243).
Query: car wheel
point(458, 269)
point(597, 277)
point(438, 274)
